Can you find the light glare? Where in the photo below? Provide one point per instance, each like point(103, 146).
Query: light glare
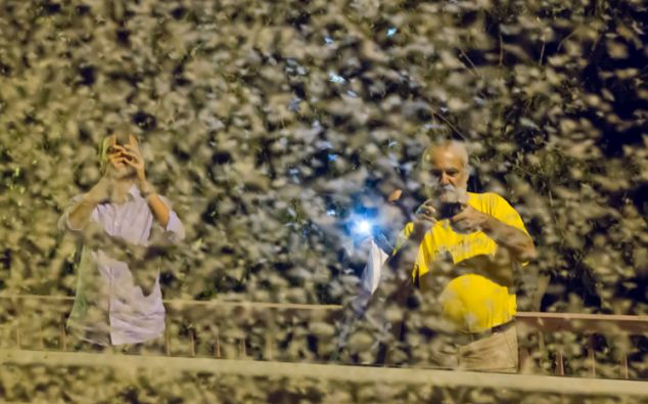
point(363, 227)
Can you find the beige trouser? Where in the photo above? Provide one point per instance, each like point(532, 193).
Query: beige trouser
point(495, 353)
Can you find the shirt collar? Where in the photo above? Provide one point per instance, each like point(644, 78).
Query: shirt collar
point(134, 192)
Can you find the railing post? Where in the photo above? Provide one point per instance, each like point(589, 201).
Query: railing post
point(560, 363)
point(42, 338)
point(624, 365)
point(193, 341)
point(269, 336)
point(217, 347)
point(242, 348)
point(167, 340)
point(18, 342)
point(18, 311)
point(62, 334)
point(591, 354)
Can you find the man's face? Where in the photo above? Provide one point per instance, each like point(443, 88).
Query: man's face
point(112, 159)
point(445, 174)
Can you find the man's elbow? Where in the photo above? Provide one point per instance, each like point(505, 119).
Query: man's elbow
point(179, 237)
point(174, 228)
point(177, 234)
point(175, 237)
point(67, 224)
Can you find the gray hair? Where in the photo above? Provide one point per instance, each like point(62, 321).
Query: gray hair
point(459, 147)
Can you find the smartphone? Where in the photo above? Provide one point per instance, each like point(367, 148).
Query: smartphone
point(448, 210)
point(444, 210)
point(122, 139)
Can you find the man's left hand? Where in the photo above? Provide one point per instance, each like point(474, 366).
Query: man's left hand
point(134, 159)
point(469, 220)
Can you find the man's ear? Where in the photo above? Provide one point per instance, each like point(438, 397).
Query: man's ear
point(469, 170)
point(100, 148)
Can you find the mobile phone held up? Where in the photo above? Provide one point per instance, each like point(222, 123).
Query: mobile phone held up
point(122, 140)
point(450, 209)
point(445, 210)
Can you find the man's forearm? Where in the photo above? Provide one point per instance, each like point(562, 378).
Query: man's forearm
point(79, 215)
point(159, 209)
point(517, 242)
point(405, 256)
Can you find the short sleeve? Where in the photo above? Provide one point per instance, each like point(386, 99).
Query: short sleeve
point(505, 213)
point(174, 228)
point(403, 236)
point(64, 223)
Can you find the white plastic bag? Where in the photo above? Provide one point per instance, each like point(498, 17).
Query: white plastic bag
point(370, 277)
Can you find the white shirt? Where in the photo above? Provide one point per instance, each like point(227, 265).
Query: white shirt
point(109, 307)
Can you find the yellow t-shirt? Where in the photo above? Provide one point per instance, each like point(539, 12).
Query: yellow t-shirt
point(471, 302)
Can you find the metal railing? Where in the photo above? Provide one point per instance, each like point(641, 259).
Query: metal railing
point(239, 330)
point(619, 327)
point(516, 387)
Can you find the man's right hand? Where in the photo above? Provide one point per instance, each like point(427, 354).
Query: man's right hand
point(424, 219)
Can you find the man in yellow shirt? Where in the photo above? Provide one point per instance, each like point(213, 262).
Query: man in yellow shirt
point(464, 246)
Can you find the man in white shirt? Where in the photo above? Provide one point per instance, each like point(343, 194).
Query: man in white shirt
point(118, 299)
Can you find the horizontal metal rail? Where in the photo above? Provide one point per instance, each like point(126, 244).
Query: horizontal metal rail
point(359, 374)
point(222, 313)
point(574, 322)
point(578, 322)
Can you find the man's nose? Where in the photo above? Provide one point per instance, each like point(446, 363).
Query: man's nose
point(445, 179)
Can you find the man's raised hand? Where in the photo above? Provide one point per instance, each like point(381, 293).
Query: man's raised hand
point(133, 158)
point(469, 220)
point(424, 218)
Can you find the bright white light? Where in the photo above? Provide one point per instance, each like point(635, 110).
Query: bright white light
point(363, 227)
